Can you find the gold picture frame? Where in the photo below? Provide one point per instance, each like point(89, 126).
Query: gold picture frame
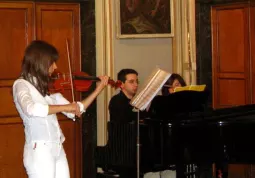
point(144, 19)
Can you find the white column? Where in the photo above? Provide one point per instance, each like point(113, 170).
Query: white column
point(104, 63)
point(184, 46)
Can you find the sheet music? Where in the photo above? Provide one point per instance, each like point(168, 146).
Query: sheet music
point(190, 88)
point(149, 89)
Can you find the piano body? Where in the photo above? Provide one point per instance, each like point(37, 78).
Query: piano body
point(182, 131)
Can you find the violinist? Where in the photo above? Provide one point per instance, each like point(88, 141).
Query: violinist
point(44, 155)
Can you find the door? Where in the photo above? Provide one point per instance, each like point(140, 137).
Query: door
point(56, 23)
point(20, 23)
point(231, 60)
point(16, 32)
point(252, 42)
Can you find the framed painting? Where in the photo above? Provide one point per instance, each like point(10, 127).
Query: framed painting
point(144, 18)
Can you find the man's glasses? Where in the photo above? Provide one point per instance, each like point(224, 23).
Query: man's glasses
point(132, 81)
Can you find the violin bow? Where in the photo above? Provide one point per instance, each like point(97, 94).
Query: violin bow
point(70, 70)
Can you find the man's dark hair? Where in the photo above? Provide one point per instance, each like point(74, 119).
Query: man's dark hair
point(39, 56)
point(124, 72)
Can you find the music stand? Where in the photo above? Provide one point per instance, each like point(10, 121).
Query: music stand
point(143, 98)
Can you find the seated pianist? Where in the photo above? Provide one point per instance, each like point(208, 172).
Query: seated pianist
point(121, 114)
point(120, 109)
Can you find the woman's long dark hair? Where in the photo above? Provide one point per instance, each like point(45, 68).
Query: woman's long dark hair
point(170, 82)
point(39, 56)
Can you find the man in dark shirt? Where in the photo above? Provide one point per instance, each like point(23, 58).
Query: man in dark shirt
point(119, 107)
point(122, 114)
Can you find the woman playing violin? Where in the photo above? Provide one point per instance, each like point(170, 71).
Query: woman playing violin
point(44, 155)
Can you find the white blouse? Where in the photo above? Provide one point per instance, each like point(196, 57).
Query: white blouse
point(33, 109)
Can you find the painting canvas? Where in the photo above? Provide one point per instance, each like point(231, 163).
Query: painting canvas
point(144, 18)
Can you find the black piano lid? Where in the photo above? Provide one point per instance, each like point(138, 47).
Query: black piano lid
point(191, 106)
point(178, 103)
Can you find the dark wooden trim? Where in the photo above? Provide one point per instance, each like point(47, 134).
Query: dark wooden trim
point(88, 62)
point(58, 1)
point(220, 1)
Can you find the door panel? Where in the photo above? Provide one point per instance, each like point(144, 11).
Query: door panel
point(252, 42)
point(16, 32)
point(9, 109)
point(64, 26)
point(231, 66)
point(11, 150)
point(231, 40)
point(231, 92)
point(56, 23)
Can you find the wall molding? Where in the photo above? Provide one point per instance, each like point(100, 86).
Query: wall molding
point(184, 42)
point(104, 63)
point(182, 62)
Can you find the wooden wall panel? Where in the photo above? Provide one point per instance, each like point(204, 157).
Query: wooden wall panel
point(231, 40)
point(252, 42)
point(11, 150)
point(16, 31)
point(239, 171)
point(12, 143)
point(231, 92)
point(9, 109)
point(231, 67)
point(68, 128)
point(64, 25)
point(18, 22)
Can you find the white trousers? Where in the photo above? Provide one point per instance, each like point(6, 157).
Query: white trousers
point(45, 160)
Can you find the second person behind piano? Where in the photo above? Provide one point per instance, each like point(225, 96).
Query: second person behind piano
point(175, 80)
point(160, 101)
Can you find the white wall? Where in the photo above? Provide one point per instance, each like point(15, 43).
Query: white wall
point(142, 55)
point(115, 54)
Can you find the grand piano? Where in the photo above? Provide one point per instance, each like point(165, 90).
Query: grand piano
point(181, 133)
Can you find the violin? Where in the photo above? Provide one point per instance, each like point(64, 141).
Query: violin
point(81, 81)
point(76, 81)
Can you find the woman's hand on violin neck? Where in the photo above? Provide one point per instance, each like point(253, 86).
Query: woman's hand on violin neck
point(104, 81)
point(100, 86)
